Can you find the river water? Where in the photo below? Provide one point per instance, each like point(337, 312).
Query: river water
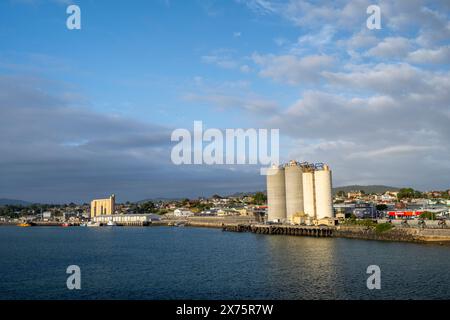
point(201, 263)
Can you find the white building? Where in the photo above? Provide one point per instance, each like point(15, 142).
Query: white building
point(46, 215)
point(182, 213)
point(127, 219)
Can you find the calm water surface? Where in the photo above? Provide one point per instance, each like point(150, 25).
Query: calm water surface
point(197, 263)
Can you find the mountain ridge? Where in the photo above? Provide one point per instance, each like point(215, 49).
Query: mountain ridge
point(15, 202)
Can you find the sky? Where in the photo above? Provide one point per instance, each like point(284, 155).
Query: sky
point(90, 112)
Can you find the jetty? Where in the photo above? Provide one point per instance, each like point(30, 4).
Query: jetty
point(292, 230)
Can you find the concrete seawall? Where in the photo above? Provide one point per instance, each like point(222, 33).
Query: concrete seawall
point(211, 222)
point(395, 234)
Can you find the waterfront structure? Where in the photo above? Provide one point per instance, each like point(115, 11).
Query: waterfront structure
point(46, 215)
point(182, 213)
point(308, 191)
point(298, 189)
point(127, 219)
point(103, 206)
point(363, 210)
point(322, 192)
point(276, 194)
point(294, 190)
point(404, 214)
point(260, 213)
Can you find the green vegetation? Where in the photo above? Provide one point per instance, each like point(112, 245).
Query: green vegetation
point(382, 227)
point(447, 194)
point(16, 211)
point(198, 207)
point(341, 194)
point(260, 198)
point(428, 215)
point(12, 211)
point(409, 193)
point(360, 222)
point(368, 223)
point(147, 206)
point(367, 189)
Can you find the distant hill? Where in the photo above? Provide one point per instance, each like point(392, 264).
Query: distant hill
point(158, 200)
point(366, 189)
point(243, 194)
point(4, 202)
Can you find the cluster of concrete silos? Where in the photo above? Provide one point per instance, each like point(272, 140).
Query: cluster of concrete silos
point(296, 188)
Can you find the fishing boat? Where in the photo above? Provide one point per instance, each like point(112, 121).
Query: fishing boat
point(93, 224)
point(65, 224)
point(111, 223)
point(24, 224)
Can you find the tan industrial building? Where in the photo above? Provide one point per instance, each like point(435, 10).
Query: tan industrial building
point(103, 206)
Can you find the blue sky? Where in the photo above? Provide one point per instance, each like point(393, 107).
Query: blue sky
point(139, 60)
point(88, 112)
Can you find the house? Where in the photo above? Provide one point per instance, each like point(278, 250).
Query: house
point(46, 215)
point(182, 213)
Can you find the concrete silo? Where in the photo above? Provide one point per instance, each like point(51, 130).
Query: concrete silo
point(276, 194)
point(308, 192)
point(294, 190)
point(324, 200)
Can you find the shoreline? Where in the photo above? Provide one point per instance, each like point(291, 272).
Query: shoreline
point(244, 224)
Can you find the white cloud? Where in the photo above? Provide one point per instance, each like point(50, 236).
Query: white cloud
point(437, 56)
point(391, 47)
point(396, 150)
point(373, 122)
point(363, 39)
point(292, 69)
point(245, 68)
point(249, 103)
point(392, 79)
point(221, 61)
point(323, 37)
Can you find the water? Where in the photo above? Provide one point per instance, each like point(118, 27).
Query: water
point(197, 263)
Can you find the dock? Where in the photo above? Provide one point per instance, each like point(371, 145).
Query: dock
point(307, 231)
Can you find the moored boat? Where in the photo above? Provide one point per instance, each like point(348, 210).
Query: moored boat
point(93, 224)
point(24, 224)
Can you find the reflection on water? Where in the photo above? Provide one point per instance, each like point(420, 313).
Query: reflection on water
point(301, 267)
point(195, 263)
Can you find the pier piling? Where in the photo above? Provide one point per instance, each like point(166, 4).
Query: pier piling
point(310, 231)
